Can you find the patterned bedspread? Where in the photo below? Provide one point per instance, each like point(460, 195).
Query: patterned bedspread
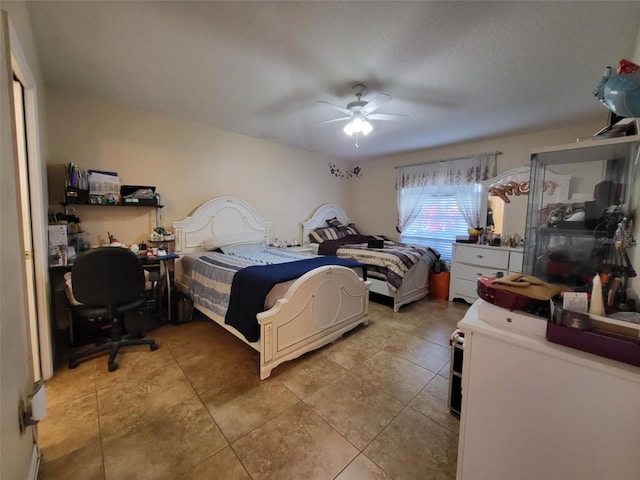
point(213, 273)
point(211, 280)
point(389, 264)
point(236, 286)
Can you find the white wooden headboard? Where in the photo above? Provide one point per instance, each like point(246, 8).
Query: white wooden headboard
point(320, 217)
point(222, 216)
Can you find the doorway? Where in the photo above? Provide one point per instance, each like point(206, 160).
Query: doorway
point(32, 194)
point(27, 247)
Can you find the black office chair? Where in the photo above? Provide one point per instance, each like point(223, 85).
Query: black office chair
point(108, 282)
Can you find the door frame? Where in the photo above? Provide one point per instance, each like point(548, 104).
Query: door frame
point(43, 366)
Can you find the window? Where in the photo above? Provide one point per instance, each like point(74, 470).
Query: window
point(439, 200)
point(438, 220)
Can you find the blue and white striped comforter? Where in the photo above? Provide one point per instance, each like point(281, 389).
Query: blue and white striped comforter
point(212, 275)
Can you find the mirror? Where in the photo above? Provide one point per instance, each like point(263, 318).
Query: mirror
point(507, 196)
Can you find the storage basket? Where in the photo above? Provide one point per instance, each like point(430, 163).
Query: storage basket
point(439, 285)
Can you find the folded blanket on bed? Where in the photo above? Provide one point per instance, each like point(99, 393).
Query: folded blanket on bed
point(389, 263)
point(252, 284)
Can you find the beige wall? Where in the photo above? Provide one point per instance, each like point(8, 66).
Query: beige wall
point(189, 164)
point(373, 200)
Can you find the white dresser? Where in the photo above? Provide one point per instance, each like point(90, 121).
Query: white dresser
point(471, 261)
point(534, 410)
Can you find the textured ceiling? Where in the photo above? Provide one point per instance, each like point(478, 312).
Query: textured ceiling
point(460, 70)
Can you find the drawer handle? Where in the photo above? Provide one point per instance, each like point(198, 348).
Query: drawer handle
point(479, 256)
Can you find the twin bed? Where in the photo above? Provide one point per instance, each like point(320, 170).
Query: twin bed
point(305, 301)
point(412, 265)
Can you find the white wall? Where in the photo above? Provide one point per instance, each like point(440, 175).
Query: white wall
point(189, 164)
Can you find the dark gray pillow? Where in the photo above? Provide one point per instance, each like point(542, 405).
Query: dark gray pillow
point(319, 235)
point(334, 222)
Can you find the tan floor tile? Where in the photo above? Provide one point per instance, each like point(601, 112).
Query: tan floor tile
point(68, 427)
point(437, 329)
point(351, 351)
point(125, 404)
point(307, 374)
point(297, 444)
point(165, 447)
point(355, 408)
point(251, 409)
point(407, 317)
point(203, 337)
point(224, 465)
point(396, 376)
point(414, 447)
point(427, 354)
point(66, 384)
point(445, 372)
point(362, 469)
point(183, 441)
point(432, 403)
point(82, 464)
point(432, 320)
point(382, 334)
point(207, 372)
point(133, 363)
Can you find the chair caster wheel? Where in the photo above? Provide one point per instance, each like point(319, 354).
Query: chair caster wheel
point(73, 364)
point(153, 346)
point(113, 366)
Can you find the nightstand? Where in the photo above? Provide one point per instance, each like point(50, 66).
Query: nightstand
point(308, 249)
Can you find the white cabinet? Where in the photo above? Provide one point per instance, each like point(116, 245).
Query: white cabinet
point(536, 410)
point(306, 249)
point(471, 261)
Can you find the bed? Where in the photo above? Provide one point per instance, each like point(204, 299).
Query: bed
point(300, 315)
point(414, 283)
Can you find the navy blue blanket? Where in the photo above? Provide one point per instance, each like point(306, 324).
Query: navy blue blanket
point(251, 285)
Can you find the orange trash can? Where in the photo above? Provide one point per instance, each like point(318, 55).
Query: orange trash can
point(439, 285)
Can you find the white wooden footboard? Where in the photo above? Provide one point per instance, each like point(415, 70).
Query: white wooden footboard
point(318, 308)
point(415, 285)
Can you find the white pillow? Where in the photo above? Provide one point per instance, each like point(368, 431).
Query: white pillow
point(218, 241)
point(242, 248)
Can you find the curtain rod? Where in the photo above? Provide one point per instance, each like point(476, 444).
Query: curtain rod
point(445, 159)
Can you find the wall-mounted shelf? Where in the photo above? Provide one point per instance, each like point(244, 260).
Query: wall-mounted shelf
point(111, 205)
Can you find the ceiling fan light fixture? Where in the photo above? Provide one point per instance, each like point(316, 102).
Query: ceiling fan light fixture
point(366, 127)
point(358, 125)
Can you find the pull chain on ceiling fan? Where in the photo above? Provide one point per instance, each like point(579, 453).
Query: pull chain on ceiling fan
point(359, 112)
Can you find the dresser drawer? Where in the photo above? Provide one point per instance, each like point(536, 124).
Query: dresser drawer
point(472, 272)
point(465, 289)
point(497, 259)
point(515, 262)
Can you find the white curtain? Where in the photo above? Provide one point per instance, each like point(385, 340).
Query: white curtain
point(418, 180)
point(463, 175)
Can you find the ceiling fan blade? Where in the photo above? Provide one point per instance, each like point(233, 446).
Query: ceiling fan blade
point(386, 116)
point(340, 109)
point(376, 103)
point(335, 120)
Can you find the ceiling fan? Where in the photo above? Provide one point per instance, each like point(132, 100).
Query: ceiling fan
point(359, 112)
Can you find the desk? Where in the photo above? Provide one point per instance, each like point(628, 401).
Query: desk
point(60, 319)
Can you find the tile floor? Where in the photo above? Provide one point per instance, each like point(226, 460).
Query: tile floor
point(372, 405)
